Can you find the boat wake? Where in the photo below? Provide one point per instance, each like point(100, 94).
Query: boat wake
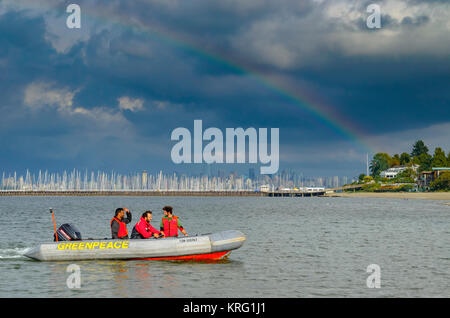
point(13, 253)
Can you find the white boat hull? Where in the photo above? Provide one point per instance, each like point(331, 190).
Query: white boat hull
point(210, 246)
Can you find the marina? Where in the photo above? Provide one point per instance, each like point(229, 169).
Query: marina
point(277, 193)
point(284, 192)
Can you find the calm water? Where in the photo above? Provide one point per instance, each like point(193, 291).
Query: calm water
point(296, 247)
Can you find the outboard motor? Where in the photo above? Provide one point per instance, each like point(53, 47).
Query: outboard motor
point(68, 232)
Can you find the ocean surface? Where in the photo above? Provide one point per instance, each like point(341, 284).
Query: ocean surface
point(296, 247)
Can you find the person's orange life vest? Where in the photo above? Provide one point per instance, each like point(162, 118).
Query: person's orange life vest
point(122, 229)
point(170, 227)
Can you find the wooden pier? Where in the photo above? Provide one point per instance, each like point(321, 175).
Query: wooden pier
point(291, 194)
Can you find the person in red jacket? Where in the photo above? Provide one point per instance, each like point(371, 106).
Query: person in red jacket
point(143, 229)
point(119, 224)
point(170, 223)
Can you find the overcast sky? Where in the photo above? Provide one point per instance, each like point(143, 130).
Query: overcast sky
point(107, 96)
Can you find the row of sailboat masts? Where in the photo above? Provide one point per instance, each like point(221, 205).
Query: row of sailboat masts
point(75, 180)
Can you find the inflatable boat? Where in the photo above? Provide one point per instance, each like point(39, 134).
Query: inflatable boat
point(201, 247)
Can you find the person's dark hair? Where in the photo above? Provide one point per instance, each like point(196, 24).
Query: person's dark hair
point(144, 215)
point(168, 208)
point(118, 210)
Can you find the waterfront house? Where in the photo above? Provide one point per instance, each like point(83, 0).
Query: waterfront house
point(426, 177)
point(395, 170)
point(438, 170)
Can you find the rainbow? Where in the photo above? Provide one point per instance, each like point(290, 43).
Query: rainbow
point(299, 97)
point(307, 100)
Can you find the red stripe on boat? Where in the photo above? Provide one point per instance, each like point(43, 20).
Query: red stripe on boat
point(213, 256)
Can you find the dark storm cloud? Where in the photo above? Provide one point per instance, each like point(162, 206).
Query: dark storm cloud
point(195, 66)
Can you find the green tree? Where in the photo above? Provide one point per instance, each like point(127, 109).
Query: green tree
point(424, 160)
point(419, 148)
point(407, 175)
point(380, 162)
point(367, 179)
point(448, 159)
point(394, 161)
point(439, 159)
point(361, 177)
point(405, 158)
point(441, 183)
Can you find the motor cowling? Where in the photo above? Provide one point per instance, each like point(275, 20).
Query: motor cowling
point(67, 232)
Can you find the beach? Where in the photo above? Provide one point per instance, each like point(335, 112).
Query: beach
point(396, 195)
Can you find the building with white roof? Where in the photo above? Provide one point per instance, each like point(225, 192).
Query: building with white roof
point(394, 171)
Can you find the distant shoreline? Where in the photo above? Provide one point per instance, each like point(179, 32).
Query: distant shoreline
point(445, 196)
point(143, 193)
point(133, 193)
point(395, 195)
